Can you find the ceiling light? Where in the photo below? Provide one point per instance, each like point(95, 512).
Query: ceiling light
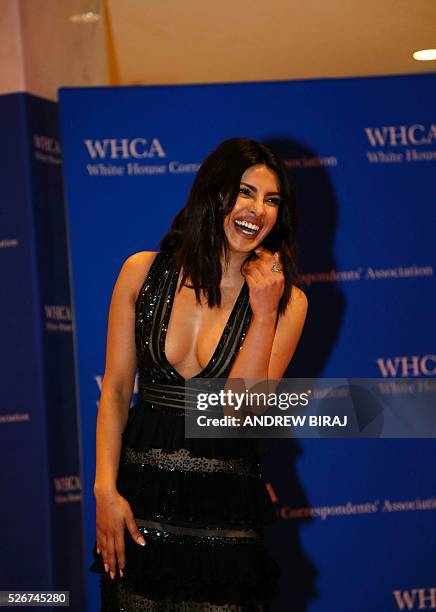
point(89, 17)
point(425, 55)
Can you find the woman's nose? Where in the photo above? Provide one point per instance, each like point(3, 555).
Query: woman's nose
point(257, 206)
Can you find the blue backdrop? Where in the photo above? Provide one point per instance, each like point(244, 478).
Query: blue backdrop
point(41, 511)
point(357, 516)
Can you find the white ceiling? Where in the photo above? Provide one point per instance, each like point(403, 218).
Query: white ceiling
point(198, 41)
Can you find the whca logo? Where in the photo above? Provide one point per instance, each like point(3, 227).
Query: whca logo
point(416, 599)
point(401, 135)
point(124, 148)
point(403, 366)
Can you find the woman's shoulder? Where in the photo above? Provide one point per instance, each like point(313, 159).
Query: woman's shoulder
point(139, 260)
point(135, 270)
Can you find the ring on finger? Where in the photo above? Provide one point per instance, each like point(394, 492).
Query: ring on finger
point(275, 267)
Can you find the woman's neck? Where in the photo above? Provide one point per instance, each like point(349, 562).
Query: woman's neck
point(231, 276)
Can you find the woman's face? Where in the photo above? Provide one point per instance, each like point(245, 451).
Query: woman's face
point(255, 211)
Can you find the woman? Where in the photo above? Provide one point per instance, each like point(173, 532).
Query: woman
point(179, 520)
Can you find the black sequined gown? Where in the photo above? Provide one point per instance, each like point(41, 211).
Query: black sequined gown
point(199, 503)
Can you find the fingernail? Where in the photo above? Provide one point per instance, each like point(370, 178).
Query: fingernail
point(106, 567)
point(98, 551)
point(121, 573)
point(112, 575)
point(141, 541)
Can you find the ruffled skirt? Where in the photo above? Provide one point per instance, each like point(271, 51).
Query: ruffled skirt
point(201, 505)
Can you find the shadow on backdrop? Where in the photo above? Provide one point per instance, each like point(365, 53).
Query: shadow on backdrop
point(317, 221)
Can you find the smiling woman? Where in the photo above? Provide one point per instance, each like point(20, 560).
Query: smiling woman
point(255, 211)
point(180, 520)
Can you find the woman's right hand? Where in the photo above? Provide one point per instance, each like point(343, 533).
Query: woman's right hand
point(113, 516)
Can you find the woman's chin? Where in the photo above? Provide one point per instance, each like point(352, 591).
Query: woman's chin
point(243, 248)
point(246, 244)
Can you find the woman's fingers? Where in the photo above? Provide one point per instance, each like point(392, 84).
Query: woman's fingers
point(112, 552)
point(255, 274)
point(110, 541)
point(133, 530)
point(265, 282)
point(101, 547)
point(100, 539)
point(110, 556)
point(262, 269)
point(251, 279)
point(263, 253)
point(119, 550)
point(265, 259)
point(104, 554)
point(278, 258)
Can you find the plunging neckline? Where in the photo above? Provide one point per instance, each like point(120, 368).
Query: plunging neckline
point(166, 320)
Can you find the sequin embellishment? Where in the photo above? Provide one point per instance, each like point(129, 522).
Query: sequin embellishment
point(181, 460)
point(153, 310)
point(132, 602)
point(170, 530)
point(147, 459)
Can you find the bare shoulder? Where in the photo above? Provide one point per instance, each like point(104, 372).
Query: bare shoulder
point(135, 269)
point(137, 261)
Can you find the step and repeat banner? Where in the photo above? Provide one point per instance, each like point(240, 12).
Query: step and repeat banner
point(356, 528)
point(41, 541)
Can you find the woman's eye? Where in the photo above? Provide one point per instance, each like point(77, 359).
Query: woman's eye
point(244, 190)
point(274, 201)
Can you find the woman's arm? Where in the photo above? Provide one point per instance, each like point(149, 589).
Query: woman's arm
point(270, 343)
point(113, 512)
point(119, 374)
point(268, 347)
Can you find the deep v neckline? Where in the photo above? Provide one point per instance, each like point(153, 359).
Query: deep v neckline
point(166, 320)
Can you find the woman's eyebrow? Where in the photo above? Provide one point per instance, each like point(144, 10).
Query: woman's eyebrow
point(253, 188)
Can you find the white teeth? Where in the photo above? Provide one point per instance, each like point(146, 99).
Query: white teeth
point(251, 226)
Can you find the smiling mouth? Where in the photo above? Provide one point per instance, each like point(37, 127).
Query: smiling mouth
point(246, 228)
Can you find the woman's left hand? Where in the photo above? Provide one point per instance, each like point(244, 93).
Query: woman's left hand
point(266, 286)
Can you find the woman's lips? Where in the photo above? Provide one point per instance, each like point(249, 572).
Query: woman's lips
point(246, 228)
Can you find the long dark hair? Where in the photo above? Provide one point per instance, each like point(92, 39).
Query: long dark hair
point(197, 234)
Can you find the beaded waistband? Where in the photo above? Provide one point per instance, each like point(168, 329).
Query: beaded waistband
point(192, 531)
point(173, 396)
